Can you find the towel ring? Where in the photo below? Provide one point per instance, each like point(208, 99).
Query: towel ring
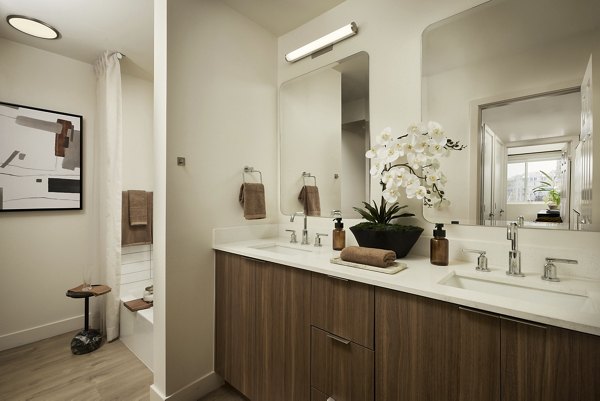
point(306, 175)
point(249, 170)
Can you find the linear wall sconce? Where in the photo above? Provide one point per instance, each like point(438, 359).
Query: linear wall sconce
point(330, 39)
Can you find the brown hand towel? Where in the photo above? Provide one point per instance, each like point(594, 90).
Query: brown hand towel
point(135, 235)
point(138, 208)
point(309, 197)
point(252, 198)
point(368, 256)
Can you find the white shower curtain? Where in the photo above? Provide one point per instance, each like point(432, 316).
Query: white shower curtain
point(107, 185)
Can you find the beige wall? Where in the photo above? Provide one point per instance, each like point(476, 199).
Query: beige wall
point(42, 253)
point(221, 114)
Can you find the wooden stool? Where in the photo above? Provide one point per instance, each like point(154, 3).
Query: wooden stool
point(87, 340)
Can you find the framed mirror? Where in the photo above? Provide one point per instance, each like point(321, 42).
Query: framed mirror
point(324, 134)
point(513, 81)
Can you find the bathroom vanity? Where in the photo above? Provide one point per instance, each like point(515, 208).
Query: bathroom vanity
point(292, 326)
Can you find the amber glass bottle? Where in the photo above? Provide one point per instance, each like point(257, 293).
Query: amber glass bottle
point(339, 235)
point(438, 247)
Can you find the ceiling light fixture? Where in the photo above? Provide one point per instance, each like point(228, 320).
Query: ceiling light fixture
point(323, 42)
point(33, 27)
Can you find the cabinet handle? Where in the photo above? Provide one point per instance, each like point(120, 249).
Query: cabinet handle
point(539, 326)
point(338, 339)
point(254, 260)
point(477, 311)
point(338, 278)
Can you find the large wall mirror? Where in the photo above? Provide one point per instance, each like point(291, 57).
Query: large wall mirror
point(324, 134)
point(512, 79)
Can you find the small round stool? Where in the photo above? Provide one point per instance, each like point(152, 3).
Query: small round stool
point(87, 340)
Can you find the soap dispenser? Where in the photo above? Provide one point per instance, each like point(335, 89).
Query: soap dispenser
point(438, 249)
point(339, 235)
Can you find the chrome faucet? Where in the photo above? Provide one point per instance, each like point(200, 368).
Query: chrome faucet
point(550, 268)
point(514, 255)
point(304, 230)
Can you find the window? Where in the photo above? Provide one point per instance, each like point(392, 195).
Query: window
point(524, 173)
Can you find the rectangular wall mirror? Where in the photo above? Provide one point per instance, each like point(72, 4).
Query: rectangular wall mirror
point(324, 134)
point(513, 81)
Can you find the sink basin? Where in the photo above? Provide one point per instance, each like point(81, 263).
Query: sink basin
point(282, 249)
point(563, 298)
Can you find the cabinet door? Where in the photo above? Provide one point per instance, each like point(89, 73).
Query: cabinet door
point(344, 308)
point(479, 357)
point(572, 366)
point(282, 333)
point(523, 353)
point(417, 348)
point(341, 369)
point(235, 316)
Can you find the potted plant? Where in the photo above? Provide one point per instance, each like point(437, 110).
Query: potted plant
point(406, 164)
point(552, 197)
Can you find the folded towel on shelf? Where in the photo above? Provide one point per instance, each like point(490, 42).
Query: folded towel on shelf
point(138, 208)
point(368, 256)
point(252, 198)
point(309, 197)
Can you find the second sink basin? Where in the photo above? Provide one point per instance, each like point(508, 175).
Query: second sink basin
point(282, 249)
point(573, 300)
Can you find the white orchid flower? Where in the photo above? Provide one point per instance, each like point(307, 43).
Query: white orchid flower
point(391, 195)
point(372, 153)
point(385, 136)
point(377, 168)
point(434, 148)
point(431, 177)
point(418, 191)
point(421, 143)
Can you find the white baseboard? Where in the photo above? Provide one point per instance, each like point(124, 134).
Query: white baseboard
point(192, 392)
point(18, 338)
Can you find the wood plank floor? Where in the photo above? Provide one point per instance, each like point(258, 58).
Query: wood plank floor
point(48, 371)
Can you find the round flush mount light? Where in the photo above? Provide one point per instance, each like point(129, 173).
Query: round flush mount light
point(33, 27)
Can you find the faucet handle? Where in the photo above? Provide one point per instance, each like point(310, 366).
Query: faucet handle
point(293, 239)
point(550, 268)
point(482, 261)
point(318, 238)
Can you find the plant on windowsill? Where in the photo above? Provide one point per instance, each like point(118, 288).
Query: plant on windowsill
point(417, 174)
point(552, 197)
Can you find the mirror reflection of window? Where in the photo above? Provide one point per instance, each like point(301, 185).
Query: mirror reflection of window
point(523, 176)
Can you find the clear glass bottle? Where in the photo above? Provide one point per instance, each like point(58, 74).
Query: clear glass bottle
point(439, 246)
point(339, 235)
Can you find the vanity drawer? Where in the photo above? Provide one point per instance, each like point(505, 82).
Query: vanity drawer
point(344, 308)
point(340, 369)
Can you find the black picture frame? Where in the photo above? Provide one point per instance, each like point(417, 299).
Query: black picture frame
point(41, 159)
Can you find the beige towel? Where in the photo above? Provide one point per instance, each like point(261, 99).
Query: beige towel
point(368, 256)
point(309, 197)
point(138, 208)
point(252, 199)
point(135, 235)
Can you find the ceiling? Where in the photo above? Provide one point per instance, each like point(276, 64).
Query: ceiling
point(540, 117)
point(89, 27)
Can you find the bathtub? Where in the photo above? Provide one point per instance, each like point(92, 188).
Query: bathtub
point(137, 331)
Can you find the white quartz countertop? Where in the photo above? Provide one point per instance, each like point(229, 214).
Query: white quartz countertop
point(542, 302)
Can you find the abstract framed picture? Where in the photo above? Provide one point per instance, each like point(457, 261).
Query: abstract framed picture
point(40, 159)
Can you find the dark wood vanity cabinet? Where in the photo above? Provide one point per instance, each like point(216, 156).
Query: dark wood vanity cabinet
point(433, 350)
point(262, 329)
point(283, 333)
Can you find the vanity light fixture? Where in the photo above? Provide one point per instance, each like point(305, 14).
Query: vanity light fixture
point(33, 27)
point(330, 39)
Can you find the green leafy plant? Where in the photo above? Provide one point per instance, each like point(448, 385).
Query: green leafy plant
point(549, 186)
point(379, 217)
